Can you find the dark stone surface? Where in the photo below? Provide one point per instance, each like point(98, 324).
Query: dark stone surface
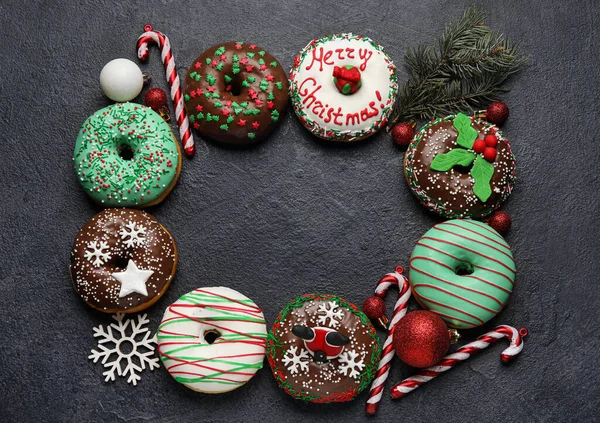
point(294, 215)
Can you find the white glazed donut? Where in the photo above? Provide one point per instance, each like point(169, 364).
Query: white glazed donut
point(192, 322)
point(346, 107)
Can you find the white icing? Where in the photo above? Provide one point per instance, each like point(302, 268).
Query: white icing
point(133, 280)
point(235, 355)
point(321, 100)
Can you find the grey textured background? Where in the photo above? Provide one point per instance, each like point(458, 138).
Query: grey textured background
point(294, 215)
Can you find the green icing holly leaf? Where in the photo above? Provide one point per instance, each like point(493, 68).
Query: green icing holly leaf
point(444, 162)
point(482, 172)
point(466, 133)
point(227, 78)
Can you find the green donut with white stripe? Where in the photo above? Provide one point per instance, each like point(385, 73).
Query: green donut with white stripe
point(463, 271)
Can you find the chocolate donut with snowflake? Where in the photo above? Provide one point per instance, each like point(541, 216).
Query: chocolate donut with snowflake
point(460, 167)
point(323, 349)
point(122, 260)
point(343, 87)
point(235, 93)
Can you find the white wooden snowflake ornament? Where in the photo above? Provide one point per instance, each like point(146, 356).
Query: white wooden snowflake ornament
point(112, 339)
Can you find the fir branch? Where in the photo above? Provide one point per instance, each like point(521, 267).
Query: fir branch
point(465, 70)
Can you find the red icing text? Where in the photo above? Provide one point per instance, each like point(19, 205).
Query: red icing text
point(322, 56)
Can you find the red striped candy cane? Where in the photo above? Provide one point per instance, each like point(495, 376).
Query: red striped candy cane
point(391, 279)
point(451, 360)
point(166, 55)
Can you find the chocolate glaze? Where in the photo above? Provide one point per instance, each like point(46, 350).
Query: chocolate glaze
point(156, 252)
point(261, 68)
point(324, 380)
point(450, 193)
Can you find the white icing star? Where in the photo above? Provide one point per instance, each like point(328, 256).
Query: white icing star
point(133, 280)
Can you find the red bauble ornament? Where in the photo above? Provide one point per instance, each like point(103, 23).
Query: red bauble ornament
point(155, 98)
point(479, 146)
point(489, 154)
point(374, 307)
point(497, 112)
point(421, 339)
point(403, 133)
point(500, 221)
point(491, 140)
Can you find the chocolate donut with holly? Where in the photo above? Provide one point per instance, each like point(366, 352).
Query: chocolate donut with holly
point(235, 93)
point(323, 349)
point(343, 87)
point(460, 167)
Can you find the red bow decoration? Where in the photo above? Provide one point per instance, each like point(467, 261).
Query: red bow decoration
point(351, 75)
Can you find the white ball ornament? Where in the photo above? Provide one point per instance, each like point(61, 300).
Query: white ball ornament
point(121, 80)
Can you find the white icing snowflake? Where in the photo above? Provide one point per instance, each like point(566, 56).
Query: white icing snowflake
point(135, 360)
point(294, 358)
point(133, 236)
point(348, 362)
point(97, 253)
point(333, 313)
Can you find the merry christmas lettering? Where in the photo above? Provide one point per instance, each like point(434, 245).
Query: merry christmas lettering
point(309, 88)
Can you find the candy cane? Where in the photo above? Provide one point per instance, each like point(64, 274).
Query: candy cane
point(172, 78)
point(451, 360)
point(391, 279)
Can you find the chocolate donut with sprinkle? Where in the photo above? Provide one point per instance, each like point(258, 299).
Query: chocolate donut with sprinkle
point(235, 93)
point(323, 349)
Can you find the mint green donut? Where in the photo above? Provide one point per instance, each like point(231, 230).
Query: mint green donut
point(126, 156)
point(463, 271)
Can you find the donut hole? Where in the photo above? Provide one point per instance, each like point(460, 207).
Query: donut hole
point(210, 336)
point(125, 152)
point(120, 262)
point(236, 85)
point(463, 269)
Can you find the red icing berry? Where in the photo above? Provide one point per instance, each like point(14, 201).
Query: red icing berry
point(489, 154)
point(491, 140)
point(479, 146)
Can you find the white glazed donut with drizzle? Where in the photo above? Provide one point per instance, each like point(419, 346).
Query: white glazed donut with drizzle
point(212, 340)
point(343, 87)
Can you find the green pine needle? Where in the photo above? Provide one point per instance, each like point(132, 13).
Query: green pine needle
point(464, 71)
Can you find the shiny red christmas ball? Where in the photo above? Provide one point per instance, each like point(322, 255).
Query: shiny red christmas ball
point(421, 339)
point(374, 307)
point(500, 221)
point(479, 146)
point(403, 133)
point(489, 154)
point(497, 112)
point(491, 140)
point(155, 98)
